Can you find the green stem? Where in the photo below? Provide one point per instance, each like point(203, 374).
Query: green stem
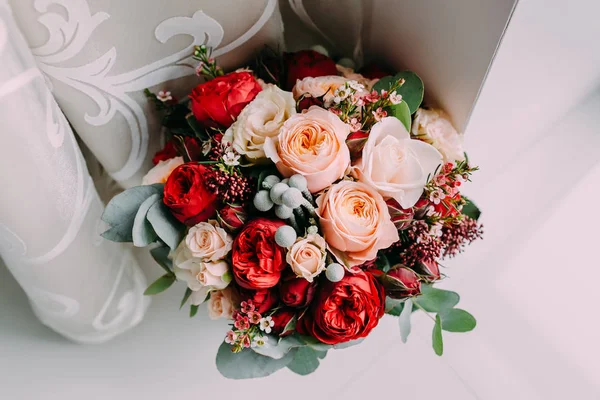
point(422, 309)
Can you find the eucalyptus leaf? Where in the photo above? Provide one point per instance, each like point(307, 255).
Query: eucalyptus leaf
point(436, 300)
point(142, 232)
point(457, 320)
point(278, 348)
point(437, 341)
point(120, 212)
point(160, 285)
point(306, 361)
point(404, 320)
point(193, 310)
point(402, 112)
point(166, 226)
point(345, 345)
point(412, 91)
point(161, 256)
point(186, 296)
point(249, 364)
point(471, 210)
point(314, 343)
point(384, 83)
point(393, 306)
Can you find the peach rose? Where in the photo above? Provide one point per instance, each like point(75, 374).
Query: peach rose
point(349, 73)
point(396, 165)
point(434, 127)
point(317, 87)
point(208, 241)
point(312, 144)
point(356, 222)
point(161, 171)
point(307, 256)
point(222, 303)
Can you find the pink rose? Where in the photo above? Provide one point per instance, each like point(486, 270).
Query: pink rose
point(318, 87)
point(307, 256)
point(222, 303)
point(356, 222)
point(312, 144)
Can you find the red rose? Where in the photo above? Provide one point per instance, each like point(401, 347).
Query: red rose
point(232, 217)
point(263, 299)
point(399, 282)
point(281, 318)
point(296, 292)
point(257, 260)
point(186, 196)
point(218, 102)
point(308, 102)
point(307, 63)
point(344, 310)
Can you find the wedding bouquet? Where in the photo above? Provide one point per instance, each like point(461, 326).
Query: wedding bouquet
point(302, 201)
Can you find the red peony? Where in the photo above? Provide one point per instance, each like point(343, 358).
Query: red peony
point(218, 102)
point(307, 63)
point(186, 196)
point(344, 310)
point(281, 318)
point(263, 299)
point(257, 260)
point(295, 291)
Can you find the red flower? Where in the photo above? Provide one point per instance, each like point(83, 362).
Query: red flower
point(262, 299)
point(401, 217)
point(281, 318)
point(374, 71)
point(186, 196)
point(168, 152)
point(447, 207)
point(429, 269)
point(257, 260)
point(194, 150)
point(307, 63)
point(399, 282)
point(232, 217)
point(296, 292)
point(344, 310)
point(218, 102)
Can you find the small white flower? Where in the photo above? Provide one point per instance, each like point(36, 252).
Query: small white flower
point(265, 324)
point(231, 159)
point(355, 85)
point(164, 96)
point(259, 341)
point(436, 230)
point(395, 98)
point(430, 211)
point(437, 196)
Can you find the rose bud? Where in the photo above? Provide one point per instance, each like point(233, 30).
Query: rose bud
point(281, 318)
point(305, 63)
point(401, 217)
point(400, 282)
point(263, 299)
point(355, 142)
point(421, 208)
point(232, 217)
point(429, 270)
point(296, 292)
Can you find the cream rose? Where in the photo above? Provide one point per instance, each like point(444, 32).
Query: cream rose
point(307, 256)
point(319, 86)
point(200, 276)
point(396, 165)
point(260, 119)
point(356, 222)
point(312, 144)
point(222, 303)
point(434, 127)
point(161, 171)
point(208, 241)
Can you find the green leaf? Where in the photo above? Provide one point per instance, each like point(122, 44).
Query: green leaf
point(471, 210)
point(314, 343)
point(291, 325)
point(437, 342)
point(193, 310)
point(412, 91)
point(160, 285)
point(384, 83)
point(393, 306)
point(404, 320)
point(345, 345)
point(248, 364)
point(166, 226)
point(402, 112)
point(161, 256)
point(457, 320)
point(176, 122)
point(306, 361)
point(142, 232)
point(383, 263)
point(186, 296)
point(277, 348)
point(196, 127)
point(436, 300)
point(120, 212)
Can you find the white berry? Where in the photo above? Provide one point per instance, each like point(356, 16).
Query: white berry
point(298, 181)
point(335, 272)
point(292, 198)
point(285, 236)
point(262, 201)
point(283, 212)
point(277, 191)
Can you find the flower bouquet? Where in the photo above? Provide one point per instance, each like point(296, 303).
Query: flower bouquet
point(302, 201)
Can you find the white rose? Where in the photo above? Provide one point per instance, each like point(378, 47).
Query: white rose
point(396, 165)
point(434, 127)
point(161, 171)
point(319, 86)
point(260, 119)
point(307, 256)
point(201, 277)
point(222, 303)
point(208, 241)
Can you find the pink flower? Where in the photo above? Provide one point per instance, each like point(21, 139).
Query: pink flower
point(221, 303)
point(231, 337)
point(247, 306)
point(319, 86)
point(356, 222)
point(245, 340)
point(379, 114)
point(254, 317)
point(372, 97)
point(242, 323)
point(312, 144)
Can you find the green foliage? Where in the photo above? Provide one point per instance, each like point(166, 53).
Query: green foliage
point(175, 121)
point(196, 127)
point(276, 347)
point(161, 256)
point(120, 212)
point(412, 91)
point(345, 345)
point(437, 341)
point(436, 300)
point(160, 285)
point(457, 320)
point(382, 263)
point(306, 361)
point(249, 364)
point(142, 232)
point(471, 210)
point(166, 226)
point(186, 296)
point(393, 306)
point(402, 112)
point(404, 320)
point(193, 310)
